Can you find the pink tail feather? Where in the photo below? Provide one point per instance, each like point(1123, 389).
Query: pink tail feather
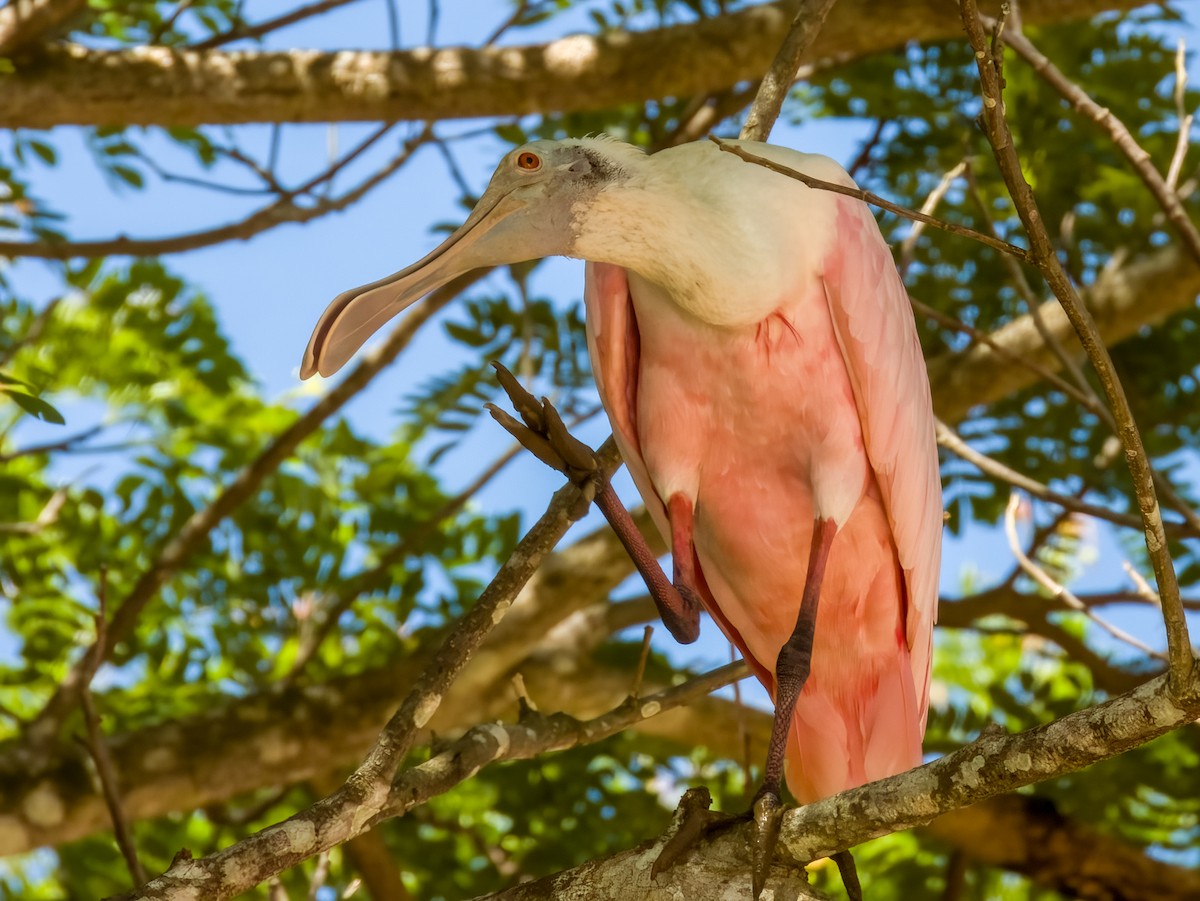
point(854, 734)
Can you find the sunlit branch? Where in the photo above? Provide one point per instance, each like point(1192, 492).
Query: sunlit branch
point(349, 810)
point(1121, 137)
point(285, 209)
point(1057, 590)
point(1000, 137)
point(775, 84)
point(194, 533)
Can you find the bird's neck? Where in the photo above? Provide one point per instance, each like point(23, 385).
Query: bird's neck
point(711, 257)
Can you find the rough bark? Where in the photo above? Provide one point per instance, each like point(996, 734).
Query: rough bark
point(1028, 835)
point(1140, 293)
point(995, 764)
point(72, 85)
point(196, 762)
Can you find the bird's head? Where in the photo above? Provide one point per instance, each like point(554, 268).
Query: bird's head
point(528, 211)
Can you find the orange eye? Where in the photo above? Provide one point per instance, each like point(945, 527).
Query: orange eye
point(529, 161)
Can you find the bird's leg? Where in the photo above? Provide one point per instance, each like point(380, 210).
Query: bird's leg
point(791, 672)
point(545, 436)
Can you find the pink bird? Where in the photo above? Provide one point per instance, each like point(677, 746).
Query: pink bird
point(756, 354)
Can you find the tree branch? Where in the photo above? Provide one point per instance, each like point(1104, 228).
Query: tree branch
point(774, 87)
point(1046, 258)
point(159, 86)
point(24, 23)
point(1028, 835)
point(283, 210)
point(994, 764)
point(195, 531)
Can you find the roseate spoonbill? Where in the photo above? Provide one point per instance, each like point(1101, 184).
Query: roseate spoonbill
point(756, 354)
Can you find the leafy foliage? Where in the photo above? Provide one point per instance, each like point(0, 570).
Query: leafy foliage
point(161, 415)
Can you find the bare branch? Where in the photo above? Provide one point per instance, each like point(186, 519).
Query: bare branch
point(909, 244)
point(994, 764)
point(1060, 592)
point(281, 211)
point(774, 87)
point(1000, 137)
point(78, 86)
point(873, 200)
point(195, 531)
point(349, 810)
point(1117, 132)
point(112, 794)
point(950, 440)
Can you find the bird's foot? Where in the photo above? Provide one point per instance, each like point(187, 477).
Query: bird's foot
point(767, 816)
point(694, 822)
point(545, 435)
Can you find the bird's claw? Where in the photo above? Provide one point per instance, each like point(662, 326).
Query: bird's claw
point(694, 821)
point(767, 814)
point(545, 435)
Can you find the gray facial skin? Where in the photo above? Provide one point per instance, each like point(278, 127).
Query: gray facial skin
point(525, 214)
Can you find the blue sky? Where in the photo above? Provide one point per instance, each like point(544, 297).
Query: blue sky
point(270, 290)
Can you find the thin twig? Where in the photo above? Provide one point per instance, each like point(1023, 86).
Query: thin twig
point(868, 146)
point(283, 210)
point(1001, 139)
point(1185, 119)
point(640, 672)
point(1058, 591)
point(47, 517)
point(1121, 137)
point(51, 447)
point(99, 750)
point(241, 30)
point(950, 440)
point(872, 199)
point(778, 81)
point(909, 245)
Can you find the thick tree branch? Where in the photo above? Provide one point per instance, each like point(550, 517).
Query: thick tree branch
point(1046, 257)
point(1028, 835)
point(1122, 300)
point(195, 531)
point(24, 23)
point(993, 765)
point(160, 86)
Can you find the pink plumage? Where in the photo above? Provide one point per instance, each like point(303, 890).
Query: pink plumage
point(821, 407)
point(756, 353)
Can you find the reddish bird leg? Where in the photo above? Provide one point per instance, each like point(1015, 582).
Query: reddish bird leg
point(545, 436)
point(678, 604)
point(791, 672)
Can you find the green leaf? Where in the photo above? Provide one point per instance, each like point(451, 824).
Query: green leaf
point(35, 406)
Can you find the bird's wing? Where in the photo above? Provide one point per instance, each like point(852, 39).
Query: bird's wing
point(615, 348)
point(873, 319)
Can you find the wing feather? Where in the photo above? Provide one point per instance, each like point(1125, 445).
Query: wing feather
point(614, 347)
point(873, 320)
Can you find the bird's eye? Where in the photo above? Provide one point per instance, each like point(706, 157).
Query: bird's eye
point(529, 161)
